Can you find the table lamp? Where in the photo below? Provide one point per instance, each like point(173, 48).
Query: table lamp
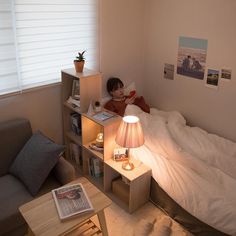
point(130, 135)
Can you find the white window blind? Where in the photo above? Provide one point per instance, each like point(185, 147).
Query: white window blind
point(49, 34)
point(8, 64)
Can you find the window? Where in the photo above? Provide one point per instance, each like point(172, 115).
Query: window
point(38, 38)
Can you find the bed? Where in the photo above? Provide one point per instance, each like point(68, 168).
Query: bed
point(194, 172)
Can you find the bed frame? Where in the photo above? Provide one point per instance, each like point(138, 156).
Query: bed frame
point(162, 200)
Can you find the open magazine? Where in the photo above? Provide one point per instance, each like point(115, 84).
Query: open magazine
point(71, 200)
point(103, 116)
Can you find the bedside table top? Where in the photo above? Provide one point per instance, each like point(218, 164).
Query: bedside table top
point(139, 169)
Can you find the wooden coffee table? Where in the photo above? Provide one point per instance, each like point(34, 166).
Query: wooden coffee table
point(42, 217)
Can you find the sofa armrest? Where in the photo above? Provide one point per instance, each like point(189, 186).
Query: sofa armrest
point(64, 171)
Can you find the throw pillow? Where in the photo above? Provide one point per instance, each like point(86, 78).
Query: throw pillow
point(35, 161)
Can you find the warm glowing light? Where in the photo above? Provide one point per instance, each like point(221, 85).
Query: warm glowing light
point(99, 140)
point(130, 119)
point(100, 137)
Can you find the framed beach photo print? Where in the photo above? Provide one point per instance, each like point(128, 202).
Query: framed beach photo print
point(192, 57)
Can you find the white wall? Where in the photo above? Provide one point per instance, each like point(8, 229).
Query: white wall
point(166, 20)
point(121, 41)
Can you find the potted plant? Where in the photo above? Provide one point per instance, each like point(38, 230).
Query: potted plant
point(79, 62)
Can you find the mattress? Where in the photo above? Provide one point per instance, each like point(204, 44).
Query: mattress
point(195, 168)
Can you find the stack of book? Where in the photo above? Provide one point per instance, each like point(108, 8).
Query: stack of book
point(95, 167)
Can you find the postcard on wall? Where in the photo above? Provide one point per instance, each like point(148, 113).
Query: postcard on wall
point(191, 59)
point(226, 74)
point(212, 78)
point(169, 71)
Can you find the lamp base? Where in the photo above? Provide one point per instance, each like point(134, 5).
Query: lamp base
point(128, 166)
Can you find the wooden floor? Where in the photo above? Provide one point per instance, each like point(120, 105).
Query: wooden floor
point(121, 223)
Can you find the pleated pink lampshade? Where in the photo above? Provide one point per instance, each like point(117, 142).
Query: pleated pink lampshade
point(130, 133)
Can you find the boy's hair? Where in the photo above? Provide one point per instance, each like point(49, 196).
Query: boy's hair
point(113, 84)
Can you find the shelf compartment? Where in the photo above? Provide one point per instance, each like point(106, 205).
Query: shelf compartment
point(74, 137)
point(93, 152)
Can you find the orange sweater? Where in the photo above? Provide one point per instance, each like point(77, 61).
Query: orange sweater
point(119, 106)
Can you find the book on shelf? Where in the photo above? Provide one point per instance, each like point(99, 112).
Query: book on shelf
point(95, 167)
point(90, 167)
point(98, 167)
point(76, 154)
point(104, 115)
point(71, 200)
point(76, 123)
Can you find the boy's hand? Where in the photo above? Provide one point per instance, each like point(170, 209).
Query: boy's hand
point(131, 94)
point(130, 100)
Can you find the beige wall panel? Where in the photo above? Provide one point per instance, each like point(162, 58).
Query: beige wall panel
point(42, 107)
point(121, 41)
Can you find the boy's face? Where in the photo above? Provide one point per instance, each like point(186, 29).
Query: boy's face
point(118, 93)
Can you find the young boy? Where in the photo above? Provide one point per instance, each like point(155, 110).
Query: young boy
point(119, 101)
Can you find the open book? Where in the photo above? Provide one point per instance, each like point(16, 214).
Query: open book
point(71, 200)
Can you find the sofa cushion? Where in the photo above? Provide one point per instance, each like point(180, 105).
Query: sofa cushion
point(13, 136)
point(35, 161)
point(12, 195)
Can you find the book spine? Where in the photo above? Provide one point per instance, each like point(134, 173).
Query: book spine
point(91, 166)
point(97, 165)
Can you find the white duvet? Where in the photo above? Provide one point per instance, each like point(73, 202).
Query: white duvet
point(195, 168)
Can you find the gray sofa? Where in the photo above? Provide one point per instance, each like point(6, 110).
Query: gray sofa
point(13, 135)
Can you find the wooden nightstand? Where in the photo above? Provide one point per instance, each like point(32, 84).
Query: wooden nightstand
point(135, 192)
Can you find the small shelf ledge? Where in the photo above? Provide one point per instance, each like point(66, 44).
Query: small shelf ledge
point(72, 107)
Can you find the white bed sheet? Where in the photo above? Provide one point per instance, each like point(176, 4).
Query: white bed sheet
point(195, 168)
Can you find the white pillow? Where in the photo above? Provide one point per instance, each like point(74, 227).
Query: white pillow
point(104, 100)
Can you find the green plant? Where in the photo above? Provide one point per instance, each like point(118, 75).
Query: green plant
point(80, 57)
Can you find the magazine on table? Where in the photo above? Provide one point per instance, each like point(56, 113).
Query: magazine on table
point(71, 200)
point(104, 115)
